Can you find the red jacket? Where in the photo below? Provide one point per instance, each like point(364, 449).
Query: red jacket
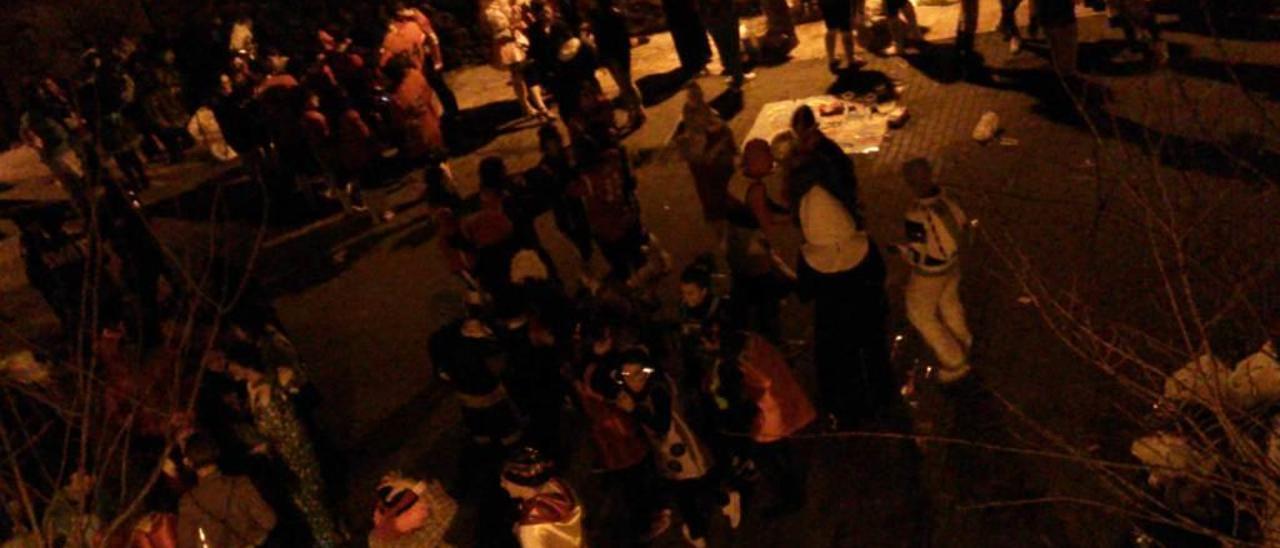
point(783, 407)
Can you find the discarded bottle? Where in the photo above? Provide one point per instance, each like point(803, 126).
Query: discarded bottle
point(988, 126)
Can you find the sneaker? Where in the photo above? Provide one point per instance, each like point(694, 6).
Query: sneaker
point(733, 509)
point(893, 50)
point(696, 543)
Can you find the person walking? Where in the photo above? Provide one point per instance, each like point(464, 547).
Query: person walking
point(689, 35)
point(221, 510)
point(721, 17)
point(613, 48)
point(507, 21)
point(708, 147)
point(837, 16)
point(841, 270)
point(935, 231)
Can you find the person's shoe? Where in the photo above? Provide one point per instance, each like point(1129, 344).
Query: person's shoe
point(833, 66)
point(733, 509)
point(1015, 45)
point(696, 543)
point(893, 50)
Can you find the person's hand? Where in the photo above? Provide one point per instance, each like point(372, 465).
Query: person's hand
point(625, 402)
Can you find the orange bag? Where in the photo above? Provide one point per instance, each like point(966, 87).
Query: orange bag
point(783, 406)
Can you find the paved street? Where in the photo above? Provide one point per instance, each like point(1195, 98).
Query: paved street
point(360, 299)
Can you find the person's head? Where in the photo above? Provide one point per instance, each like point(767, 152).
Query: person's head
point(200, 453)
point(493, 174)
point(225, 86)
point(635, 369)
point(805, 126)
point(550, 141)
point(525, 472)
point(919, 177)
point(695, 283)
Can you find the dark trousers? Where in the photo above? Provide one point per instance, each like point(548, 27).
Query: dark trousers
point(777, 462)
point(724, 31)
point(966, 26)
point(695, 499)
point(688, 33)
point(633, 486)
point(851, 350)
point(1009, 20)
point(626, 254)
point(448, 100)
point(571, 220)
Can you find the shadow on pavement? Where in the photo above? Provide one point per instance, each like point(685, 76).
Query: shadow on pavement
point(657, 88)
point(1253, 77)
point(477, 127)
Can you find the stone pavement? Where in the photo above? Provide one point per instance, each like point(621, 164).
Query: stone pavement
point(361, 303)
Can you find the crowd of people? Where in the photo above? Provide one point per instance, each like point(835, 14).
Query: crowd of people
point(687, 414)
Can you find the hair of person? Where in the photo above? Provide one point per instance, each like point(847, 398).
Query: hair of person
point(526, 466)
point(201, 450)
point(699, 272)
point(803, 118)
point(493, 173)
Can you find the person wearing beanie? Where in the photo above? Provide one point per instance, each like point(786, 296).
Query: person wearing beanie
point(550, 513)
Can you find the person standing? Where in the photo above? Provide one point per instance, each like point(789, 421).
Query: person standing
point(550, 513)
point(689, 35)
point(842, 271)
point(721, 17)
point(755, 393)
point(760, 277)
point(283, 433)
point(220, 510)
point(1058, 18)
point(613, 48)
point(415, 110)
point(681, 457)
point(507, 21)
point(837, 16)
point(557, 174)
point(707, 145)
point(935, 230)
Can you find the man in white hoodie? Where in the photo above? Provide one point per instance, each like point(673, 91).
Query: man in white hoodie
point(935, 229)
